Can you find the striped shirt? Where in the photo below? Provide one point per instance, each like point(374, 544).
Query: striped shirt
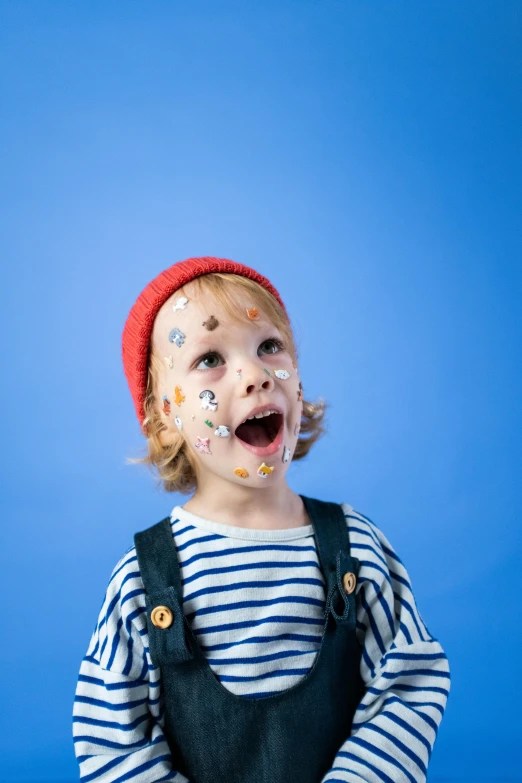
point(255, 600)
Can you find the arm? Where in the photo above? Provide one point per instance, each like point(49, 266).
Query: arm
point(404, 668)
point(117, 725)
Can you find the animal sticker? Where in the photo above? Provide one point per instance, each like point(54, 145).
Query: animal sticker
point(286, 454)
point(207, 398)
point(253, 313)
point(203, 445)
point(166, 406)
point(181, 303)
point(211, 323)
point(222, 431)
point(179, 423)
point(283, 375)
point(179, 397)
point(241, 472)
point(169, 361)
point(264, 470)
point(239, 374)
point(176, 336)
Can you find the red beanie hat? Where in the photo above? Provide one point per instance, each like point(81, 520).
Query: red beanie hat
point(139, 323)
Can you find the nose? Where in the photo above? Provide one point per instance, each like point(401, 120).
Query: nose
point(256, 378)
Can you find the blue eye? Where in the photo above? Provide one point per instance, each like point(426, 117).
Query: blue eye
point(273, 343)
point(213, 355)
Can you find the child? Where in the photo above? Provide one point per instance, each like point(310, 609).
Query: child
point(254, 635)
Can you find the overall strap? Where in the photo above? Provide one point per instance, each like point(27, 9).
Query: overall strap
point(161, 576)
point(333, 548)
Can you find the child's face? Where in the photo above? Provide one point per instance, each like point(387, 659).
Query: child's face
point(220, 376)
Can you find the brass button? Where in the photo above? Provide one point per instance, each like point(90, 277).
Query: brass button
point(161, 616)
point(349, 582)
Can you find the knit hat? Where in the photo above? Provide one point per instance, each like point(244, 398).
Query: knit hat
point(138, 326)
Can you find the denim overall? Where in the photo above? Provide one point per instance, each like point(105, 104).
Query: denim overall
point(294, 735)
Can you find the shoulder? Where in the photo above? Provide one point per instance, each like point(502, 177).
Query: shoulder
point(124, 574)
point(372, 547)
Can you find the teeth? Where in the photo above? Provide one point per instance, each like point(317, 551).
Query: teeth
point(258, 416)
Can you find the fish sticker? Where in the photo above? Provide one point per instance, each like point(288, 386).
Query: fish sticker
point(179, 397)
point(166, 406)
point(179, 423)
point(169, 361)
point(181, 303)
point(208, 423)
point(203, 445)
point(222, 431)
point(211, 323)
point(241, 472)
point(283, 375)
point(286, 454)
point(264, 470)
point(177, 336)
point(300, 392)
point(207, 398)
point(253, 313)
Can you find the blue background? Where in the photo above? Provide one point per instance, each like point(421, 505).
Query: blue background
point(363, 156)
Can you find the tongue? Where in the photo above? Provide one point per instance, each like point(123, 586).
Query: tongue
point(254, 434)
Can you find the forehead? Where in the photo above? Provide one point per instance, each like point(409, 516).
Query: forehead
point(201, 305)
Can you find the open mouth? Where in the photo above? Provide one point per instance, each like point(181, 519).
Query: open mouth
point(260, 432)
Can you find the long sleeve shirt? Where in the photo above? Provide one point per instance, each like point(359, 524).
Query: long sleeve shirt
point(255, 600)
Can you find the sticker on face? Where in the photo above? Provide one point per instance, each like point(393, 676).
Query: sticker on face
point(267, 371)
point(286, 454)
point(300, 392)
point(297, 428)
point(179, 397)
point(283, 375)
point(211, 323)
point(176, 336)
point(166, 406)
point(207, 398)
point(239, 374)
point(241, 472)
point(264, 470)
point(253, 313)
point(181, 303)
point(169, 361)
point(208, 423)
point(222, 431)
point(203, 445)
point(179, 423)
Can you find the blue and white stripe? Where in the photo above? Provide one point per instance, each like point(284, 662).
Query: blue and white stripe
point(255, 601)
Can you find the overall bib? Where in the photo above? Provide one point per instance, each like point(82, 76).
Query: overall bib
point(294, 735)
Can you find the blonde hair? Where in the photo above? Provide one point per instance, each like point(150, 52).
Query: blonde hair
point(176, 464)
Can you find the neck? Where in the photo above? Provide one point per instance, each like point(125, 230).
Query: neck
point(270, 508)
